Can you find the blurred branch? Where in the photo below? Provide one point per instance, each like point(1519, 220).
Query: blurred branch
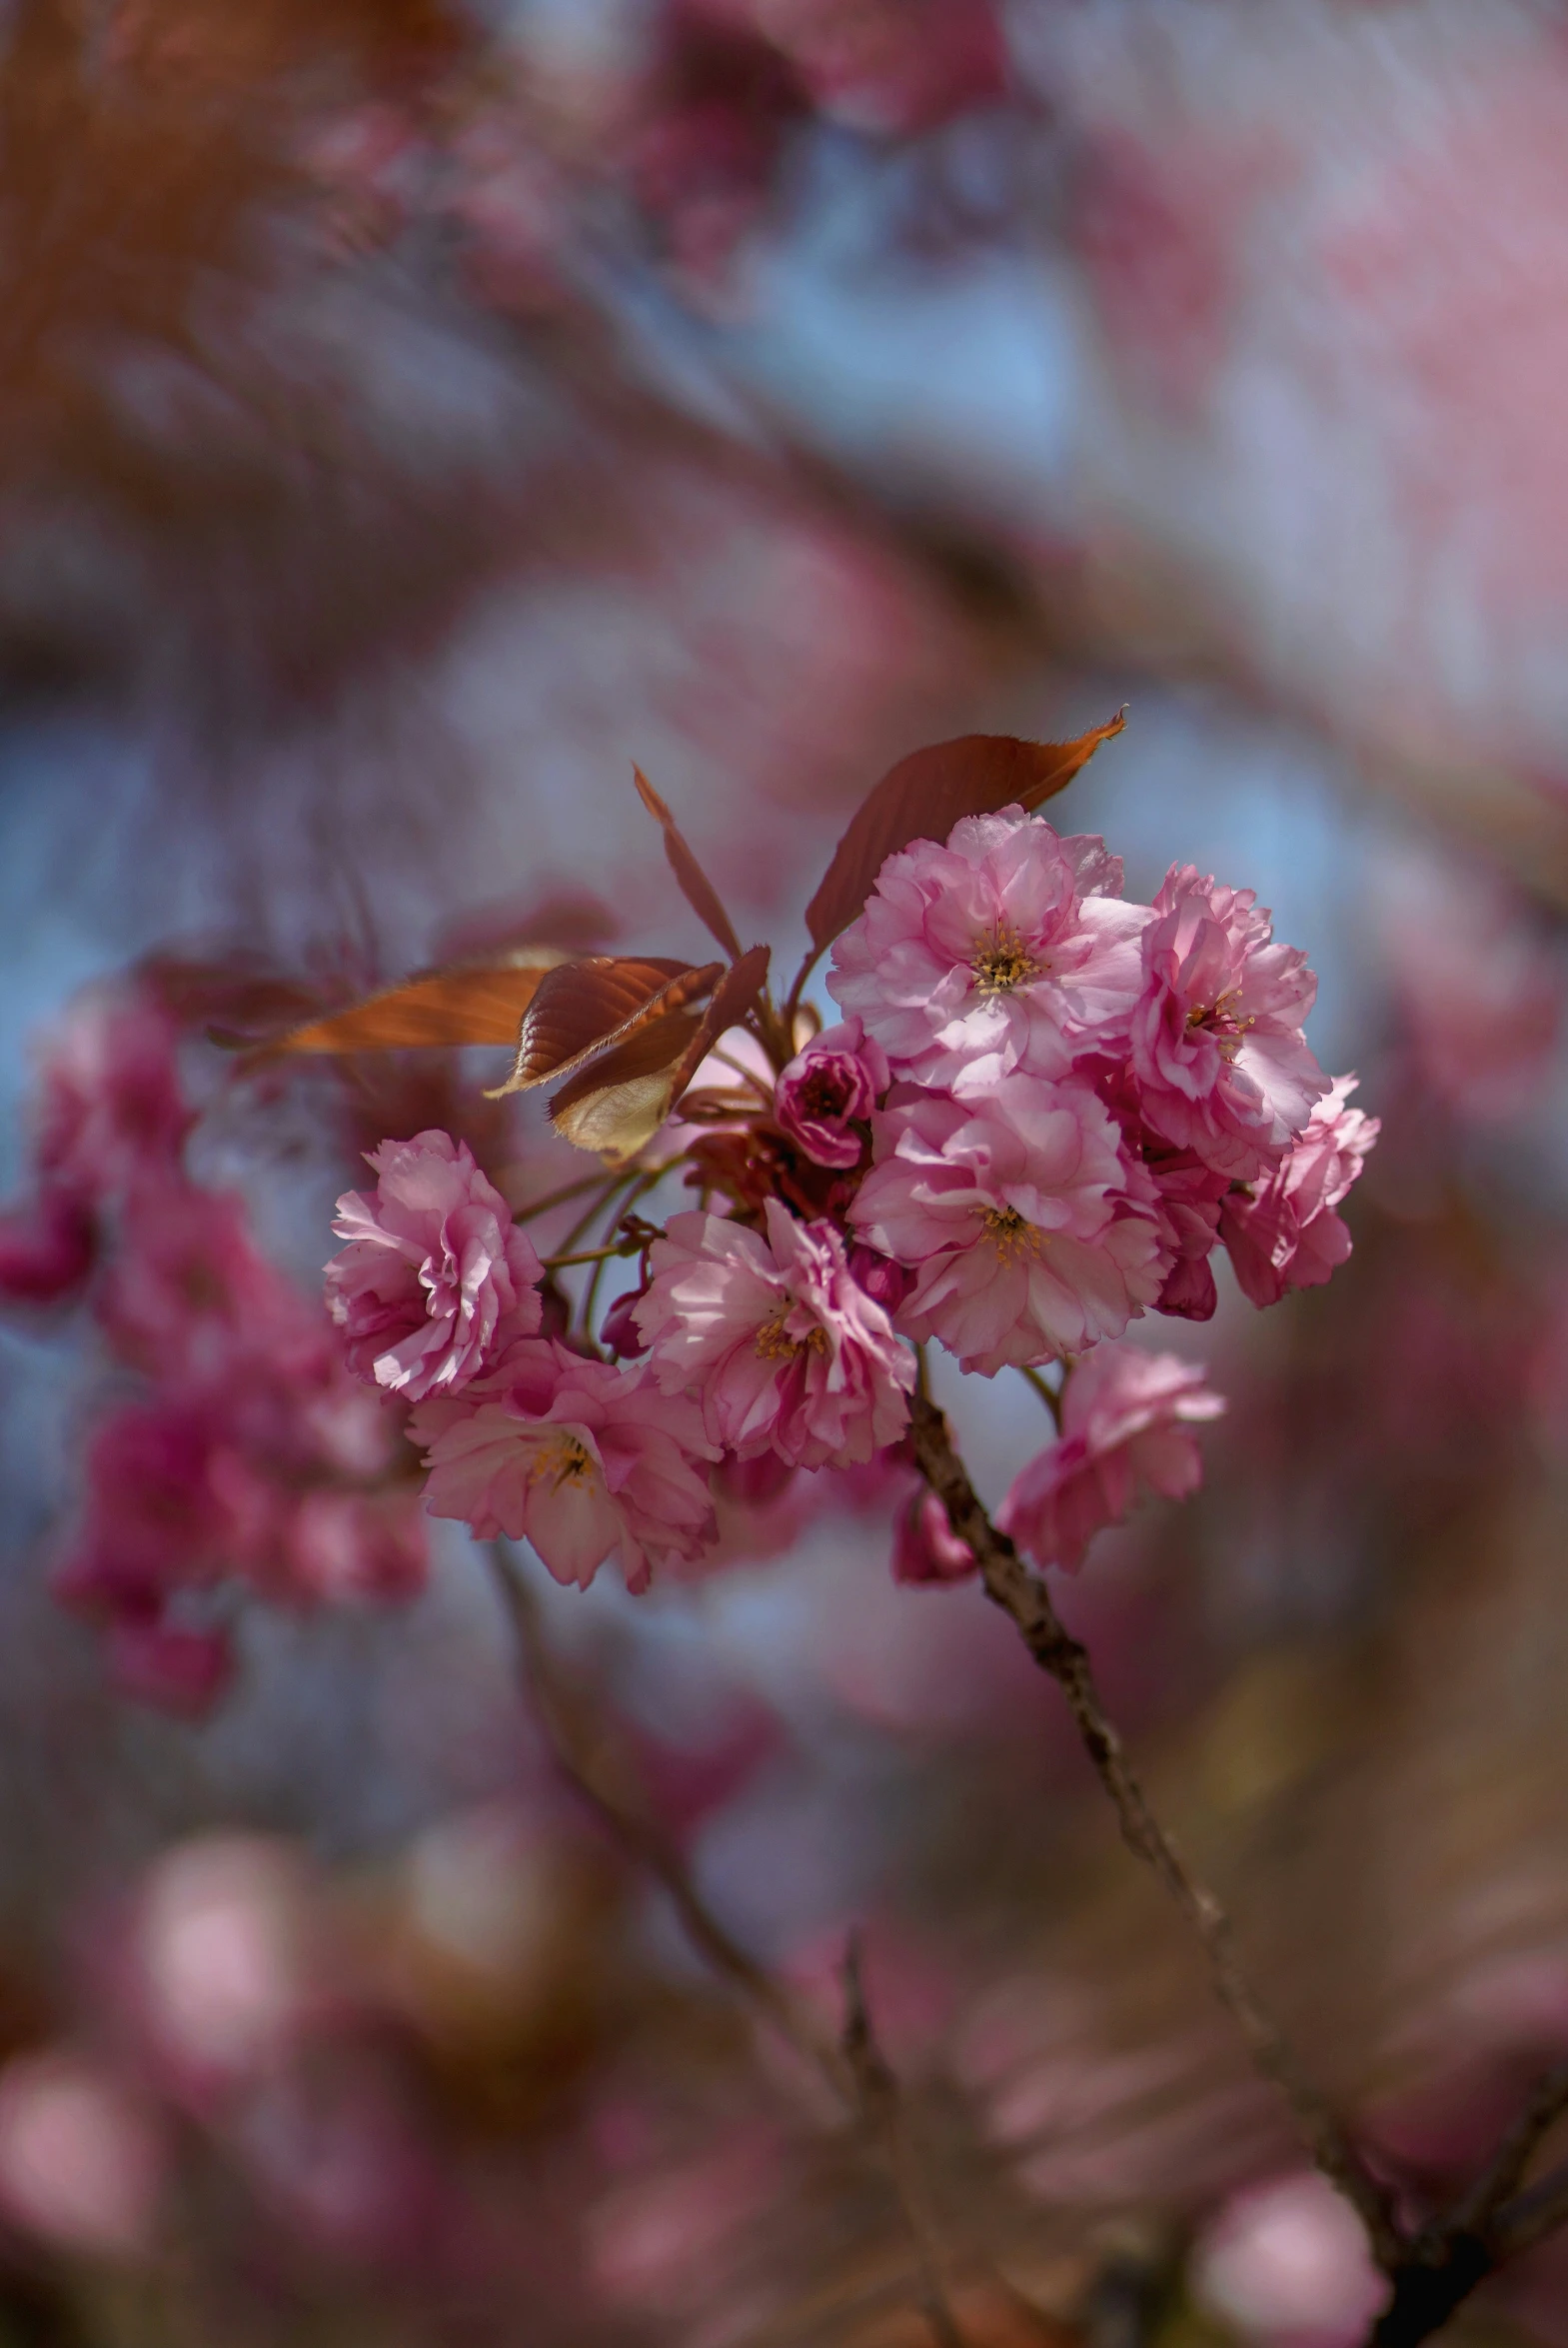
point(1023, 1596)
point(855, 2070)
point(882, 2109)
point(1491, 2224)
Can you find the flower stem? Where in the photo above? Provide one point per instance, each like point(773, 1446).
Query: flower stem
point(1049, 1396)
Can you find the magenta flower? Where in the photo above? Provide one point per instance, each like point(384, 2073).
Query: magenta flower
point(111, 1109)
point(434, 1282)
point(581, 1459)
point(829, 1088)
point(1125, 1418)
point(925, 1549)
point(1221, 1063)
point(1025, 1222)
point(1009, 948)
point(782, 1348)
point(1283, 1233)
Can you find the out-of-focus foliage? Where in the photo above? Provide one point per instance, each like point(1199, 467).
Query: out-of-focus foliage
point(409, 417)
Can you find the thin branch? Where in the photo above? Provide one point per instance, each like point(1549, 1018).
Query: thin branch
point(591, 1255)
point(583, 1761)
point(1023, 1597)
point(855, 2071)
point(1492, 2222)
point(883, 2110)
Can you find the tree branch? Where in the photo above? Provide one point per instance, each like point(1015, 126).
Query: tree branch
point(1023, 1596)
point(883, 2107)
point(855, 2070)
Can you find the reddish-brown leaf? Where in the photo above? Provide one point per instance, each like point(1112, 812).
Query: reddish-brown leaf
point(621, 1100)
point(734, 996)
point(444, 1007)
point(584, 1007)
point(923, 797)
point(695, 887)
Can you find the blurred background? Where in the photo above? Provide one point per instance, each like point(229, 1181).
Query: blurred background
point(412, 413)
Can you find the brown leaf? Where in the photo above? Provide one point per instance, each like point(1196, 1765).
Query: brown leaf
point(695, 887)
point(483, 1006)
point(734, 996)
point(923, 797)
point(620, 1102)
point(585, 1008)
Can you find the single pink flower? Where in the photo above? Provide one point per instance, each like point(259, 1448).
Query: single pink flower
point(1009, 948)
point(1283, 1233)
point(829, 1088)
point(188, 1296)
point(346, 1547)
point(1221, 1063)
point(925, 1549)
point(111, 1108)
point(435, 1282)
point(580, 1459)
point(1026, 1223)
point(781, 1346)
point(1125, 1418)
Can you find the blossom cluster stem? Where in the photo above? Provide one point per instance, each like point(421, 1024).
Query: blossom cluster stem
point(855, 2071)
point(1023, 1597)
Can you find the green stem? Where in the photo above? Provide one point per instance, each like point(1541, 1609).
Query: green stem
point(1049, 1396)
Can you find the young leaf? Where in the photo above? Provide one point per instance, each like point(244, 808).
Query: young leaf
point(619, 1101)
point(923, 797)
point(584, 1007)
point(695, 887)
point(734, 996)
point(444, 1007)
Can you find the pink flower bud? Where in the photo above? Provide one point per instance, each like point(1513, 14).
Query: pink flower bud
point(618, 1332)
point(46, 1250)
point(925, 1548)
point(827, 1089)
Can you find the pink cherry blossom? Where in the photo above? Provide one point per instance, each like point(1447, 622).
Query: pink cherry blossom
point(1124, 1426)
point(1221, 1063)
point(581, 1459)
point(925, 1549)
point(434, 1281)
point(1009, 948)
point(1283, 1232)
point(111, 1108)
point(1027, 1224)
point(781, 1345)
point(189, 1294)
point(829, 1088)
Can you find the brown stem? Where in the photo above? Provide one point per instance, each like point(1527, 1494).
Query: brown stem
point(882, 2105)
point(1021, 1595)
point(855, 2071)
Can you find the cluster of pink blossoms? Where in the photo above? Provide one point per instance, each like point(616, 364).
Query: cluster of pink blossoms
point(1044, 1109)
point(235, 1443)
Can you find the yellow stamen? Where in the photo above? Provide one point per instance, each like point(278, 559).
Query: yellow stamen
point(564, 1461)
point(1013, 1235)
point(1001, 962)
point(775, 1344)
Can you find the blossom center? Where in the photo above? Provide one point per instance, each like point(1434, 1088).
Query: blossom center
point(825, 1094)
point(1218, 1019)
point(1012, 1234)
point(562, 1460)
point(775, 1344)
point(1001, 962)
